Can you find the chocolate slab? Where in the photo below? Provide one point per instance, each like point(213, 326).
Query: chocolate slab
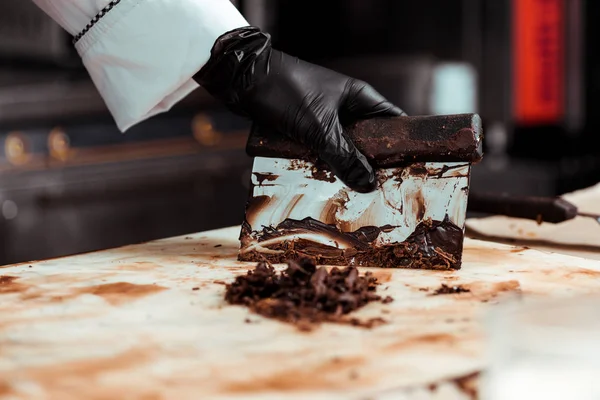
point(390, 142)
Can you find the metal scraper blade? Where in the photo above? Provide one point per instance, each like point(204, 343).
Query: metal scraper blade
point(415, 218)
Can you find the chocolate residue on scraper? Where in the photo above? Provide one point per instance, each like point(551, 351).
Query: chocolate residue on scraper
point(418, 169)
point(318, 169)
point(255, 204)
point(261, 178)
point(421, 250)
point(321, 172)
point(305, 295)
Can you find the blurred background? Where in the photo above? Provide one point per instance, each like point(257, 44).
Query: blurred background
point(70, 182)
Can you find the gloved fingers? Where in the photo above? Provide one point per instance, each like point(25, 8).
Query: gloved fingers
point(363, 101)
point(344, 159)
point(334, 149)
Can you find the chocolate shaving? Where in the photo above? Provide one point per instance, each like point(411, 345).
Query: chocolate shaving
point(305, 295)
point(445, 289)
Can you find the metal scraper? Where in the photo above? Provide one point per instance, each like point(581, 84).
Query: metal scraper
point(414, 219)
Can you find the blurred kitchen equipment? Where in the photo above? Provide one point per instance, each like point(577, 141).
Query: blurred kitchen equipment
point(541, 209)
point(27, 32)
point(405, 81)
point(83, 186)
point(420, 85)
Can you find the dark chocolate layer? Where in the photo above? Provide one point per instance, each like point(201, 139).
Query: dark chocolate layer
point(391, 142)
point(433, 245)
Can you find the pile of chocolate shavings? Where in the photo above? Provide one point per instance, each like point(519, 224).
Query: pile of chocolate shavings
point(305, 295)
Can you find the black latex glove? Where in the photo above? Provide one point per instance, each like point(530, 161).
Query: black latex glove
point(307, 102)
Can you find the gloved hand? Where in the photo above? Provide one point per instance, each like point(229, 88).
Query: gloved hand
point(307, 102)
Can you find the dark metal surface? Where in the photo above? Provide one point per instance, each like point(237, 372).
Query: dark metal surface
point(404, 80)
point(92, 208)
point(27, 32)
point(171, 176)
point(51, 95)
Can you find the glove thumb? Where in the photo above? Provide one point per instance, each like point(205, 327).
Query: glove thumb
point(344, 159)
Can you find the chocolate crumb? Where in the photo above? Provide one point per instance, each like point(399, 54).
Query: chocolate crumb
point(370, 323)
point(321, 173)
point(539, 219)
point(469, 384)
point(387, 300)
point(218, 245)
point(305, 295)
point(195, 288)
point(445, 289)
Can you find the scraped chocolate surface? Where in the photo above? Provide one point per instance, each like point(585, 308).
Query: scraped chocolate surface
point(427, 157)
point(432, 245)
point(304, 294)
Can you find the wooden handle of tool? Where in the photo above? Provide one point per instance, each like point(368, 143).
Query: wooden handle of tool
point(541, 209)
point(389, 142)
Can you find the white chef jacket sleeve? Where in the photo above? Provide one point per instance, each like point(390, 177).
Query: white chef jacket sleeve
point(142, 54)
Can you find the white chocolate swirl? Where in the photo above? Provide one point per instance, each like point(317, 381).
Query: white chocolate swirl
point(405, 197)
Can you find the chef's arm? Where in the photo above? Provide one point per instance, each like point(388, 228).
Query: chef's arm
point(142, 54)
point(146, 55)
